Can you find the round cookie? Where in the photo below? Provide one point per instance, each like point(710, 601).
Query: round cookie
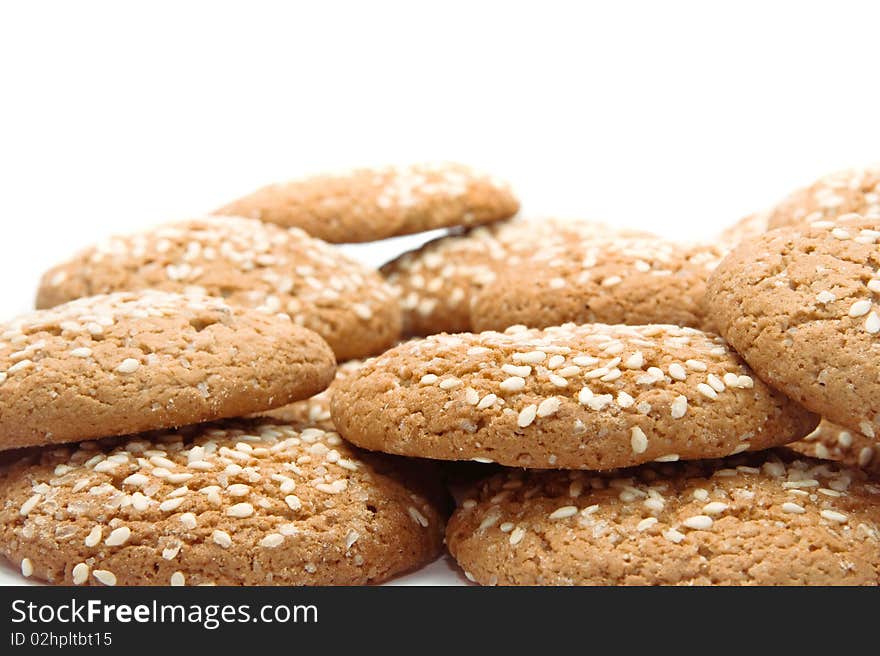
point(630, 280)
point(247, 263)
point(579, 397)
point(315, 411)
point(832, 442)
point(798, 304)
point(372, 204)
point(134, 361)
point(437, 281)
point(765, 519)
point(237, 503)
point(843, 192)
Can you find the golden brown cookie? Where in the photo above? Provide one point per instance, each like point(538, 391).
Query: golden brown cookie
point(761, 519)
point(135, 361)
point(247, 263)
point(832, 442)
point(580, 397)
point(798, 303)
point(236, 503)
point(315, 411)
point(437, 281)
point(372, 204)
point(631, 280)
point(843, 192)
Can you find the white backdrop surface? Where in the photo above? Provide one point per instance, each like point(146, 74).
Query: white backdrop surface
point(678, 117)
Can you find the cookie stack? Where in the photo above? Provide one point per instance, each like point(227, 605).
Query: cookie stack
point(163, 413)
point(623, 400)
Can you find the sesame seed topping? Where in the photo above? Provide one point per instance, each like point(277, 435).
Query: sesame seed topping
point(698, 522)
point(178, 579)
point(221, 538)
point(715, 508)
point(80, 573)
point(27, 567)
point(677, 372)
point(81, 352)
point(638, 440)
point(646, 523)
point(272, 540)
point(707, 391)
point(104, 576)
point(94, 537)
point(532, 357)
point(170, 505)
point(859, 308)
point(833, 516)
point(487, 402)
point(790, 507)
point(679, 406)
point(548, 407)
point(563, 512)
point(30, 504)
point(513, 384)
point(118, 536)
point(240, 510)
point(428, 379)
point(872, 323)
point(450, 383)
point(673, 535)
point(128, 366)
point(517, 535)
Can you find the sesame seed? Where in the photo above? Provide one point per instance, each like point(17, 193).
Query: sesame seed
point(527, 416)
point(128, 366)
point(715, 508)
point(27, 567)
point(563, 512)
point(715, 383)
point(568, 372)
point(698, 522)
point(81, 352)
point(859, 308)
point(80, 573)
point(240, 510)
point(548, 407)
point(874, 285)
point(700, 494)
point(624, 400)
point(221, 538)
point(745, 382)
point(238, 490)
point(170, 505)
point(678, 408)
point(695, 365)
point(472, 397)
point(94, 537)
point(532, 357)
point(677, 372)
point(558, 381)
point(18, 366)
point(585, 395)
point(585, 360)
point(30, 504)
point(669, 457)
point(833, 516)
point(635, 361)
point(872, 323)
point(638, 440)
point(272, 540)
point(450, 383)
point(104, 576)
point(865, 456)
point(646, 523)
point(513, 384)
point(673, 535)
point(487, 402)
point(178, 579)
point(599, 402)
point(555, 362)
point(866, 428)
point(362, 311)
point(790, 507)
point(118, 536)
point(654, 504)
point(517, 535)
point(514, 370)
point(428, 379)
point(293, 502)
point(707, 391)
point(840, 233)
point(188, 520)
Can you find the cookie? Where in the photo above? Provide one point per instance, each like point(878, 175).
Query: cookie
point(832, 442)
point(765, 519)
point(798, 304)
point(236, 503)
point(581, 397)
point(630, 280)
point(135, 361)
point(371, 204)
point(437, 281)
point(315, 411)
point(248, 263)
point(843, 192)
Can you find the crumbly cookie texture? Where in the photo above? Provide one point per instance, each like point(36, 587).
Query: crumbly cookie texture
point(799, 304)
point(371, 204)
point(129, 362)
point(832, 442)
point(843, 192)
point(247, 263)
point(315, 411)
point(765, 519)
point(581, 397)
point(437, 281)
point(631, 280)
point(237, 503)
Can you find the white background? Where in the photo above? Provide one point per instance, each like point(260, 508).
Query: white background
point(679, 117)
